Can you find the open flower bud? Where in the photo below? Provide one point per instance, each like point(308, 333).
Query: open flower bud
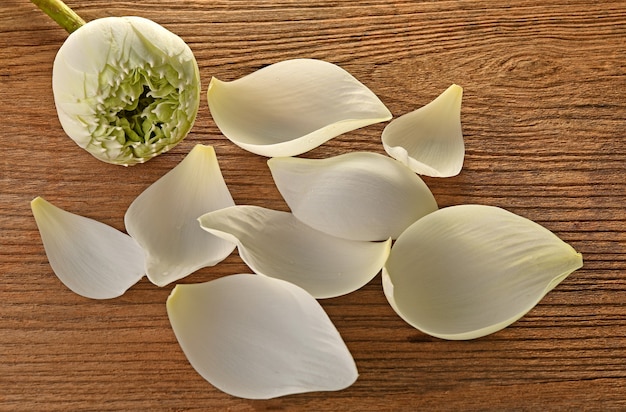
point(126, 89)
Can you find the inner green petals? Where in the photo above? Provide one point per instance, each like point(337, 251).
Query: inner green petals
point(140, 113)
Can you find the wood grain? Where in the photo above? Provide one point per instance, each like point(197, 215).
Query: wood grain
point(544, 119)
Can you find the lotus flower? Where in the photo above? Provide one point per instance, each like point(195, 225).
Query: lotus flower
point(126, 89)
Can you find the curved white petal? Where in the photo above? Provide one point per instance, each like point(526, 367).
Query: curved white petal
point(429, 140)
point(163, 219)
point(92, 259)
point(463, 272)
point(359, 195)
point(293, 106)
point(276, 244)
point(259, 338)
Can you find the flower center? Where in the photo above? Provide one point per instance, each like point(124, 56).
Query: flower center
point(145, 111)
point(135, 119)
point(141, 112)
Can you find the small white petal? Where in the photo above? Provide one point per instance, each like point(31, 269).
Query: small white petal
point(276, 244)
point(359, 195)
point(259, 338)
point(293, 106)
point(163, 219)
point(463, 272)
point(429, 140)
point(92, 259)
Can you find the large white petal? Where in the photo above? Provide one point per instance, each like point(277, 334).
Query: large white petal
point(92, 259)
point(276, 244)
point(463, 272)
point(429, 140)
point(256, 337)
point(163, 219)
point(293, 106)
point(359, 195)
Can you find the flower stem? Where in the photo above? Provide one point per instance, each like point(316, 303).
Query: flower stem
point(61, 13)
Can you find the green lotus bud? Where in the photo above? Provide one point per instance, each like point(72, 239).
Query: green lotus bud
point(126, 89)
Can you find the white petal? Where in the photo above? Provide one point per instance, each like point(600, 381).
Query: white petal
point(429, 140)
point(463, 272)
point(256, 337)
point(278, 245)
point(163, 219)
point(359, 195)
point(92, 259)
point(290, 107)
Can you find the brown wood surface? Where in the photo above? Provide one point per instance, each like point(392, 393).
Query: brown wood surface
point(544, 119)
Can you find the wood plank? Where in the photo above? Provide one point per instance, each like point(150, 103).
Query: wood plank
point(543, 115)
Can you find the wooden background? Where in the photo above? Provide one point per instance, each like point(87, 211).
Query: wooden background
point(543, 116)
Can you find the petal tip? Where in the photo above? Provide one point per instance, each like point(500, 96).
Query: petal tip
point(207, 150)
point(37, 202)
point(456, 88)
